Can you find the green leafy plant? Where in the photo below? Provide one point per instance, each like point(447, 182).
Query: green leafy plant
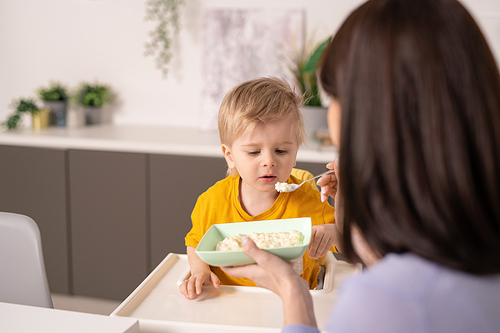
point(54, 92)
point(88, 94)
point(166, 14)
point(20, 106)
point(304, 66)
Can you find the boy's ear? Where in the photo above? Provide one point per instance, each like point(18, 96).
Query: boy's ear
point(228, 156)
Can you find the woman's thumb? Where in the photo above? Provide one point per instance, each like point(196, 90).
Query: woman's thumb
point(250, 248)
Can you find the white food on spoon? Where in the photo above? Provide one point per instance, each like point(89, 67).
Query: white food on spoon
point(283, 187)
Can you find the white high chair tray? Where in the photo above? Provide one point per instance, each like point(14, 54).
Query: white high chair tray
point(160, 307)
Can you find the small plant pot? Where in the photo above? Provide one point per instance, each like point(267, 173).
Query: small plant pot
point(58, 112)
point(75, 117)
point(40, 119)
point(93, 115)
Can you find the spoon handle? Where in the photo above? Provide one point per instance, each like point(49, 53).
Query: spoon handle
point(320, 175)
point(325, 173)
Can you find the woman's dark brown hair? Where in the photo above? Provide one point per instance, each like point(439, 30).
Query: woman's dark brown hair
point(419, 91)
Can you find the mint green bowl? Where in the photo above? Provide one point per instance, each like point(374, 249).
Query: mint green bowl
point(217, 232)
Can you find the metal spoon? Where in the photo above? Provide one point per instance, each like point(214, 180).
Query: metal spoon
point(285, 187)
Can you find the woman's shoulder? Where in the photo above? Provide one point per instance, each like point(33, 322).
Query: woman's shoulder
point(406, 273)
point(404, 291)
point(412, 277)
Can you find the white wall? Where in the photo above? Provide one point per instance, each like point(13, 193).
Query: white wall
point(71, 41)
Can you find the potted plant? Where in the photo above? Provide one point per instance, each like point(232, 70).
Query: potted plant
point(55, 98)
point(93, 97)
point(304, 63)
point(22, 106)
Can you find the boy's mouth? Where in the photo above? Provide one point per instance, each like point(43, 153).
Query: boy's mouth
point(268, 178)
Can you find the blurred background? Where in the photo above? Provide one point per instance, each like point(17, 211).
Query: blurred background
point(104, 41)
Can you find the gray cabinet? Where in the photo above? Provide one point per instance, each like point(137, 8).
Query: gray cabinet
point(108, 222)
point(175, 184)
point(33, 182)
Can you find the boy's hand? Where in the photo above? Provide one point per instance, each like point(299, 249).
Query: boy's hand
point(192, 287)
point(200, 274)
point(323, 237)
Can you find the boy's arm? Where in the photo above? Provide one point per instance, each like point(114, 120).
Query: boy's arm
point(200, 274)
point(195, 263)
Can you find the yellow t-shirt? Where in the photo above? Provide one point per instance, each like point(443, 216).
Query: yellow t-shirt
point(220, 204)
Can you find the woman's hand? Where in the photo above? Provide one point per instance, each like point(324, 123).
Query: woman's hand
point(269, 272)
point(328, 182)
point(275, 274)
point(330, 187)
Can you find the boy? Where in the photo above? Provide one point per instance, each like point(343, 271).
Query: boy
point(261, 129)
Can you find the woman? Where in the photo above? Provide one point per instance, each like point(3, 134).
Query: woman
point(416, 92)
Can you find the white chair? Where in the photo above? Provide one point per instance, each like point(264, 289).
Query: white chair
point(22, 270)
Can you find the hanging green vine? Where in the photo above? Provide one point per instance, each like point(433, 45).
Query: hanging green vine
point(166, 14)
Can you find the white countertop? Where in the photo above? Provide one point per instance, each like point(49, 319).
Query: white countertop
point(27, 319)
point(140, 139)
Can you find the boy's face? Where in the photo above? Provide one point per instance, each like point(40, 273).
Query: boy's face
point(265, 155)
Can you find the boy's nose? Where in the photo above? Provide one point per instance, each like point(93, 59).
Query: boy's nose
point(268, 160)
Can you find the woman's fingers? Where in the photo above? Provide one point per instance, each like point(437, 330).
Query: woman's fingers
point(328, 183)
point(268, 272)
point(251, 249)
point(261, 257)
point(339, 216)
point(334, 165)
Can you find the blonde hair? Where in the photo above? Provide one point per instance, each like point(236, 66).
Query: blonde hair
point(259, 101)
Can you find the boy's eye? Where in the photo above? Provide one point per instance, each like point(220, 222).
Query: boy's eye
point(255, 152)
point(281, 151)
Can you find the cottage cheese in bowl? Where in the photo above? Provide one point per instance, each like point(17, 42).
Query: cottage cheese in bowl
point(264, 240)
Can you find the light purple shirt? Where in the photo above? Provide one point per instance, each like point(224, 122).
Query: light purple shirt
point(405, 293)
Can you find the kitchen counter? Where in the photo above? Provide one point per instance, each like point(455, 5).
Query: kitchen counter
point(141, 139)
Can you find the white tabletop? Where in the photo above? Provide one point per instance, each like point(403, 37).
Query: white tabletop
point(160, 307)
point(28, 319)
point(140, 139)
